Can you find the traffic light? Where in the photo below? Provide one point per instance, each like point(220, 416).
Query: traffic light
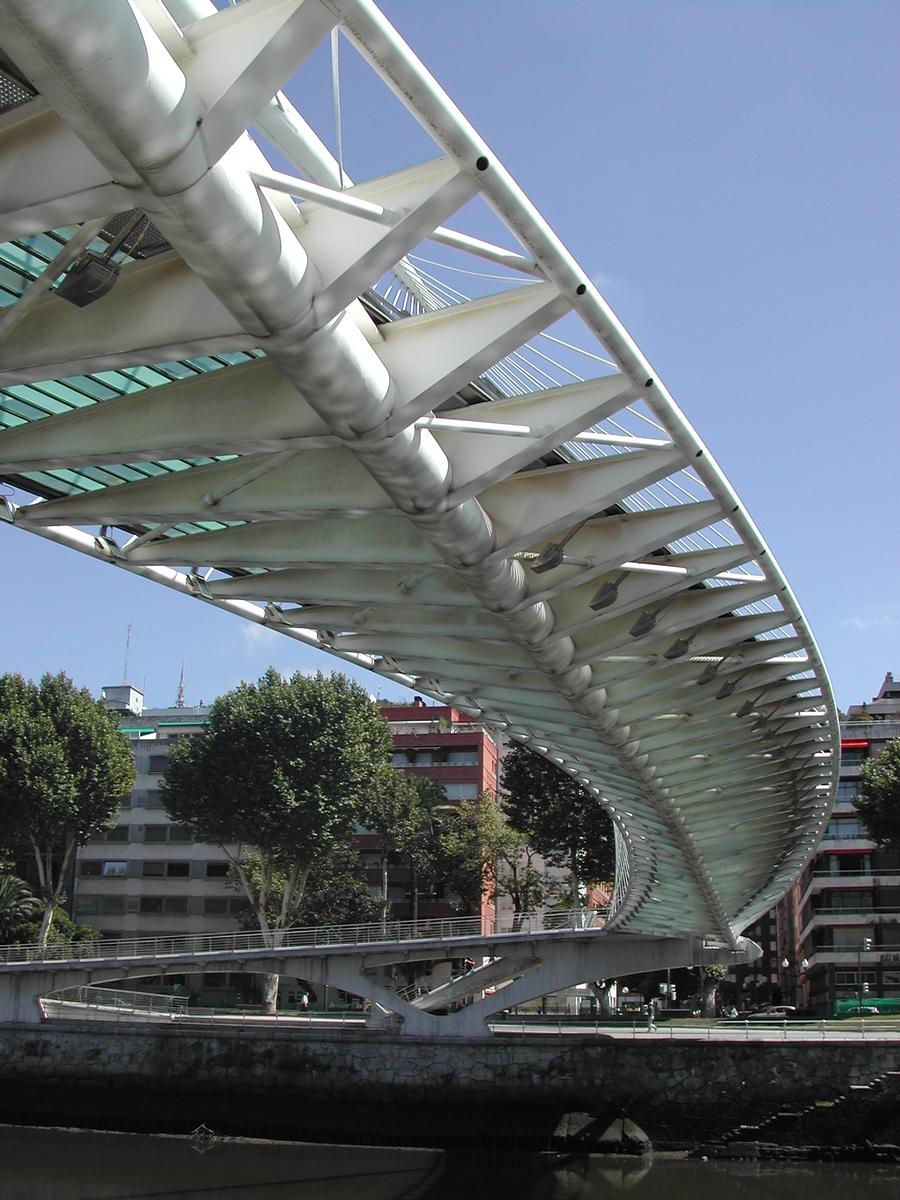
point(672, 995)
point(865, 988)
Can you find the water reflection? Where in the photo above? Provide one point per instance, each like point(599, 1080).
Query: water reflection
point(37, 1164)
point(69, 1165)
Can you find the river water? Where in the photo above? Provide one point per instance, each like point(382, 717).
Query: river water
point(50, 1164)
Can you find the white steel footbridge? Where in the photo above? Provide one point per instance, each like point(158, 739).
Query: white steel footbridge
point(229, 369)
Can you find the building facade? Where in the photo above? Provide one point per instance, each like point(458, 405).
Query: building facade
point(147, 877)
point(839, 927)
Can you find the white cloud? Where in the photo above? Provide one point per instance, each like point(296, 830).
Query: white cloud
point(865, 624)
point(255, 637)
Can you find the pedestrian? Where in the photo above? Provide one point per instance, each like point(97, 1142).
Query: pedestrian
point(648, 1011)
point(304, 1001)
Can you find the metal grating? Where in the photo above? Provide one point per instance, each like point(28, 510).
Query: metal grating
point(144, 241)
point(13, 91)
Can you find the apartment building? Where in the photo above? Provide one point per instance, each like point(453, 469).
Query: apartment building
point(441, 743)
point(839, 927)
point(147, 877)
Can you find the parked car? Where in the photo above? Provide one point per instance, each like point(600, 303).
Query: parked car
point(775, 1012)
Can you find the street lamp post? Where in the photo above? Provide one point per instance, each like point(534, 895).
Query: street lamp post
point(865, 944)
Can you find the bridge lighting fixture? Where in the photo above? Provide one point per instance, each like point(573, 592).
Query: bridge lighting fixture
point(679, 648)
point(549, 558)
point(91, 276)
point(607, 593)
point(645, 623)
point(709, 672)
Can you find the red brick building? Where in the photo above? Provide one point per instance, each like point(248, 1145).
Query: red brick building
point(444, 744)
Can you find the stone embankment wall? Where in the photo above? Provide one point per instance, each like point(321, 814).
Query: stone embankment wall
point(507, 1090)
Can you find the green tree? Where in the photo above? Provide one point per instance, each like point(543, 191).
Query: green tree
point(63, 931)
point(878, 799)
point(65, 769)
point(282, 770)
point(420, 842)
point(18, 904)
point(560, 820)
point(336, 892)
point(474, 838)
point(390, 811)
point(516, 876)
point(710, 977)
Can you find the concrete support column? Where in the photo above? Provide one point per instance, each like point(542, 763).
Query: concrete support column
point(19, 994)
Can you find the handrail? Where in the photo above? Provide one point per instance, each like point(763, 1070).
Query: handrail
point(432, 928)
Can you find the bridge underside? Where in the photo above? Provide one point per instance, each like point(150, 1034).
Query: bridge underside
point(520, 968)
point(279, 413)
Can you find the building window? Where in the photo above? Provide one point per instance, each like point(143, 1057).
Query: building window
point(166, 870)
point(844, 830)
point(848, 790)
point(156, 764)
point(119, 834)
point(220, 906)
point(164, 904)
point(461, 791)
point(90, 869)
point(90, 905)
point(217, 870)
point(463, 758)
point(167, 833)
point(115, 870)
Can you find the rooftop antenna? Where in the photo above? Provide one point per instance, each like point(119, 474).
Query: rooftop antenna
point(127, 648)
point(179, 703)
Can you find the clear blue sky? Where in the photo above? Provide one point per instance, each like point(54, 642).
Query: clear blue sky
point(727, 173)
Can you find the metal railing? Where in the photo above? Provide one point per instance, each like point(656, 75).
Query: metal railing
point(121, 1000)
point(324, 936)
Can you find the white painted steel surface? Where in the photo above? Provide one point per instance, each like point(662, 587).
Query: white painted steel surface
point(660, 658)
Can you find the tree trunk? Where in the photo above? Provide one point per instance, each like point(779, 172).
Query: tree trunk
point(270, 993)
point(601, 991)
point(413, 891)
point(50, 888)
point(710, 988)
point(46, 922)
point(385, 904)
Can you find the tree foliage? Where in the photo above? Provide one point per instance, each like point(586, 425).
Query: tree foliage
point(336, 893)
point(474, 838)
point(878, 800)
point(18, 904)
point(390, 811)
point(711, 975)
point(283, 767)
point(559, 819)
point(65, 769)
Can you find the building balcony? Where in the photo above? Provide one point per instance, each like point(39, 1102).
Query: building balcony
point(825, 881)
point(831, 918)
point(846, 841)
point(846, 956)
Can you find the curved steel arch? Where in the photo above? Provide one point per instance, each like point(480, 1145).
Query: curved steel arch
point(491, 532)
